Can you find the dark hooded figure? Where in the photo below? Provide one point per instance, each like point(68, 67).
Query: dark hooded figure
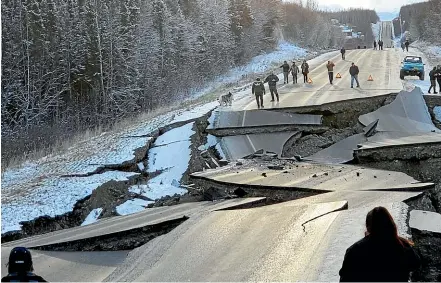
point(381, 255)
point(407, 45)
point(285, 68)
point(375, 45)
point(258, 89)
point(20, 267)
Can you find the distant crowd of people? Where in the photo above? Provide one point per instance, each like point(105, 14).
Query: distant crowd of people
point(380, 256)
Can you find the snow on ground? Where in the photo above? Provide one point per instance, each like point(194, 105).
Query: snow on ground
point(52, 197)
point(132, 206)
point(437, 112)
point(92, 217)
point(170, 154)
point(376, 30)
point(195, 112)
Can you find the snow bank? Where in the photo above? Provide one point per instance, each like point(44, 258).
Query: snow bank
point(132, 206)
point(170, 154)
point(53, 197)
point(92, 217)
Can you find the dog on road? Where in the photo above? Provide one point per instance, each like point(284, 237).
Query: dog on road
point(226, 99)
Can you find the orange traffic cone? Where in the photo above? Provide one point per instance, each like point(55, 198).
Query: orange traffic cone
point(338, 76)
point(309, 81)
point(370, 79)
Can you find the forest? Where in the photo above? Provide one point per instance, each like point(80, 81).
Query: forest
point(421, 20)
point(73, 65)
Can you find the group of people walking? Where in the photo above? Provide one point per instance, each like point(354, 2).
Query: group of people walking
point(294, 70)
point(405, 45)
point(435, 76)
point(258, 87)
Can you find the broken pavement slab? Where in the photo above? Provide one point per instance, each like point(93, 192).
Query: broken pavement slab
point(425, 221)
point(407, 113)
point(233, 119)
point(117, 224)
point(315, 177)
point(240, 146)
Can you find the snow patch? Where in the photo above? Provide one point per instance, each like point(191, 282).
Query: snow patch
point(132, 206)
point(54, 197)
point(195, 112)
point(92, 217)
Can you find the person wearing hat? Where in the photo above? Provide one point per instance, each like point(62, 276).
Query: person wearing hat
point(20, 267)
point(258, 89)
point(272, 83)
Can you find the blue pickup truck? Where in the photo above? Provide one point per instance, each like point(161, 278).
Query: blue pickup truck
point(412, 66)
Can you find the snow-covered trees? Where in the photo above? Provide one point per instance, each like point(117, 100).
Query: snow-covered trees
point(422, 20)
point(69, 65)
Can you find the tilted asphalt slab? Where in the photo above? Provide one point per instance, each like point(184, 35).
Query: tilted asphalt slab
point(112, 225)
point(320, 177)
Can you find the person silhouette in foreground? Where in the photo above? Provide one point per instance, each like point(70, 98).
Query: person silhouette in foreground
point(381, 255)
point(20, 267)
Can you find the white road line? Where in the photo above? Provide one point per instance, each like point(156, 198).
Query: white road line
point(251, 143)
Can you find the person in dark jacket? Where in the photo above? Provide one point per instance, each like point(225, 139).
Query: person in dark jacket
point(285, 68)
point(330, 66)
point(381, 255)
point(294, 71)
point(432, 76)
point(375, 45)
point(353, 71)
point(343, 52)
point(407, 45)
point(305, 71)
point(258, 89)
point(20, 267)
point(272, 83)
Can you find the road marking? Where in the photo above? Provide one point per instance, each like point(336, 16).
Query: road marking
point(251, 143)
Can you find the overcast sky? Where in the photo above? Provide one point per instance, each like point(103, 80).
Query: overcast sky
point(378, 5)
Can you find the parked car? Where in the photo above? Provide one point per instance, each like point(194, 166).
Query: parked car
point(412, 66)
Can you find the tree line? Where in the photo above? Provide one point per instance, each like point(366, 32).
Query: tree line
point(360, 19)
point(421, 21)
point(70, 65)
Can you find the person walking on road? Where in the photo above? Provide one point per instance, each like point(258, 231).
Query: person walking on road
point(375, 45)
point(403, 46)
point(353, 71)
point(382, 255)
point(432, 76)
point(343, 52)
point(330, 66)
point(20, 267)
point(294, 71)
point(272, 83)
point(407, 45)
point(305, 71)
point(285, 68)
point(258, 89)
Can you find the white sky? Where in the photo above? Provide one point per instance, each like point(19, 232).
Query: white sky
point(378, 5)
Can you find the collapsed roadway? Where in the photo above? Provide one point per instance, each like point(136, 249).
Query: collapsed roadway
point(301, 177)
